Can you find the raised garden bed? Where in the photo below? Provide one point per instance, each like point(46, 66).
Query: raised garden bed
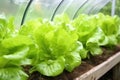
point(61, 49)
point(90, 69)
point(98, 71)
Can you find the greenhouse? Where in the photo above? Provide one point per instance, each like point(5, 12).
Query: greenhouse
point(59, 39)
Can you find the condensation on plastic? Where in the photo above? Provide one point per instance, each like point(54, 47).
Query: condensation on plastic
point(64, 6)
point(42, 8)
point(98, 6)
point(8, 7)
point(48, 9)
point(13, 8)
point(70, 7)
point(93, 6)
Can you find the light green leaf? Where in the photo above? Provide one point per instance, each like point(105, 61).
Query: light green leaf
point(18, 54)
point(72, 60)
point(62, 18)
point(12, 73)
point(94, 48)
point(3, 62)
point(3, 27)
point(112, 40)
point(16, 41)
point(50, 67)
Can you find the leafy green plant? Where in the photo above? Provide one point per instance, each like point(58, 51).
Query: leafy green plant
point(97, 30)
point(12, 52)
point(55, 43)
point(50, 47)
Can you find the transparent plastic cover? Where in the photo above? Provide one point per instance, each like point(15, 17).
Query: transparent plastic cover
point(13, 8)
point(49, 8)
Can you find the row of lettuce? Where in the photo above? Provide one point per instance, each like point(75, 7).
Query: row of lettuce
point(51, 47)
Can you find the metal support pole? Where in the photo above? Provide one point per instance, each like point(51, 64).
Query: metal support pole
point(56, 10)
point(113, 7)
point(25, 12)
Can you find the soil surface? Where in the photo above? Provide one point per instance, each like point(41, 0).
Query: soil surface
point(86, 65)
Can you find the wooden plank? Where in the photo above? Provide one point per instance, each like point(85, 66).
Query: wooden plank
point(98, 71)
point(116, 72)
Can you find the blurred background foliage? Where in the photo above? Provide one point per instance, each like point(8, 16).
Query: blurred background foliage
point(107, 8)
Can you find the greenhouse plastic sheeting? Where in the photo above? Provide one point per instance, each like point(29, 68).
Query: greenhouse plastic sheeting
point(93, 6)
point(96, 7)
point(13, 8)
point(42, 8)
point(70, 7)
point(49, 8)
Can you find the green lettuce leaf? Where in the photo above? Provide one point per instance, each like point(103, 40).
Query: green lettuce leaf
point(16, 41)
point(12, 73)
point(62, 18)
point(50, 67)
point(18, 54)
point(95, 41)
point(72, 60)
point(118, 37)
point(3, 27)
point(53, 40)
point(85, 27)
point(110, 27)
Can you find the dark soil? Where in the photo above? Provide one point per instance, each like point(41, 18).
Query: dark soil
point(86, 65)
